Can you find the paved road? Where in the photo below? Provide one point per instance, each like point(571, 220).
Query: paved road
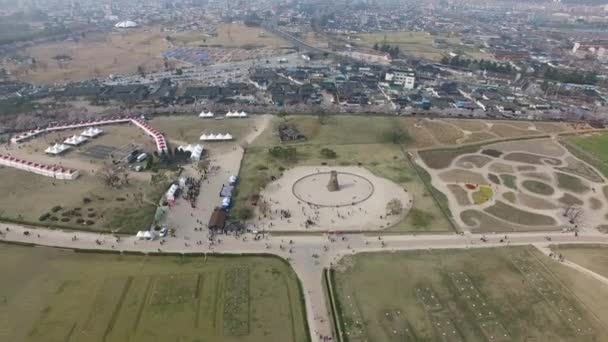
point(307, 254)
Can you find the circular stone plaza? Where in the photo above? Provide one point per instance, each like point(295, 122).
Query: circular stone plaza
point(310, 198)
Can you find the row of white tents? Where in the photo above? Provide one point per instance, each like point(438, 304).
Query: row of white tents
point(230, 114)
point(216, 137)
point(241, 114)
point(158, 137)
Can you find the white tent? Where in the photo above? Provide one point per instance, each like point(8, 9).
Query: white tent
point(75, 140)
point(195, 151)
point(242, 114)
point(228, 136)
point(140, 235)
point(232, 179)
point(226, 202)
point(204, 114)
point(91, 132)
point(126, 24)
point(57, 149)
point(148, 235)
point(171, 192)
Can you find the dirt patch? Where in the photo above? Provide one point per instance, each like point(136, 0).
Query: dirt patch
point(571, 183)
point(580, 169)
point(535, 202)
point(520, 217)
point(479, 136)
point(462, 176)
point(440, 159)
point(549, 127)
point(595, 203)
point(543, 147)
point(462, 196)
point(537, 187)
point(471, 161)
point(468, 125)
point(509, 131)
point(498, 167)
point(570, 200)
point(526, 168)
point(528, 158)
point(444, 133)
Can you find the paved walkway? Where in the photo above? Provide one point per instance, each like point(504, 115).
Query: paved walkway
point(308, 255)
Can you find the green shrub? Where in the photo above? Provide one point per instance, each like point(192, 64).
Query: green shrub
point(56, 208)
point(44, 217)
point(244, 213)
point(492, 153)
point(328, 153)
point(395, 136)
point(288, 154)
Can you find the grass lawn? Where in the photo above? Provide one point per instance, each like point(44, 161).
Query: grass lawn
point(418, 44)
point(385, 160)
point(187, 129)
point(506, 294)
point(482, 195)
point(28, 196)
point(593, 257)
point(592, 149)
point(335, 130)
point(58, 295)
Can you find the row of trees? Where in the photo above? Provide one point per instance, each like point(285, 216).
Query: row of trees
point(482, 64)
point(393, 51)
point(568, 76)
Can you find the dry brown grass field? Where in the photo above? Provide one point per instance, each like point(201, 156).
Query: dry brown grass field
point(96, 55)
point(233, 36)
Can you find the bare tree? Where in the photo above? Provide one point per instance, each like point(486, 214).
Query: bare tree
point(113, 176)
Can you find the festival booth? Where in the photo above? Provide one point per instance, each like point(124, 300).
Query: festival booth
point(56, 149)
point(91, 132)
point(237, 115)
point(206, 115)
point(75, 140)
point(195, 151)
point(226, 191)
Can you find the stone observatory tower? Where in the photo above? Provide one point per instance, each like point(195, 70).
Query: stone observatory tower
point(333, 184)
